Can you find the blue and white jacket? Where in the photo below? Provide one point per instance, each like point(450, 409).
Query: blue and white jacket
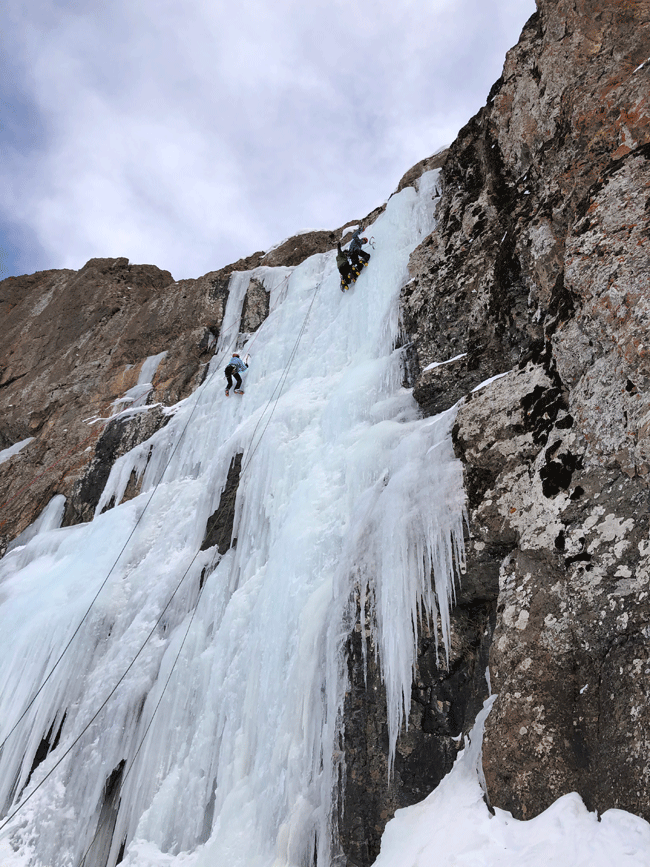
point(237, 363)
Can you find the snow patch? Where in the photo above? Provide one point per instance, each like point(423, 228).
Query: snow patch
point(454, 826)
point(490, 380)
point(9, 452)
point(440, 363)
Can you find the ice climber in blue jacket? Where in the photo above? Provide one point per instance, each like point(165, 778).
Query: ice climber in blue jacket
point(235, 367)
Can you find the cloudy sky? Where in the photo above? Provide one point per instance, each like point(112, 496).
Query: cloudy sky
point(189, 133)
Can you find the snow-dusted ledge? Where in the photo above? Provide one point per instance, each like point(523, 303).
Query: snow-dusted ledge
point(5, 454)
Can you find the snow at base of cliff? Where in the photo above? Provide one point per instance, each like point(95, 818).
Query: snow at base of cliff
point(454, 827)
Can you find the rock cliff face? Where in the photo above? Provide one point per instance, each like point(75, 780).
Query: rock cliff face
point(537, 272)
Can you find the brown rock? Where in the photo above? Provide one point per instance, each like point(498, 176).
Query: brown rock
point(490, 280)
point(295, 250)
point(538, 266)
point(428, 164)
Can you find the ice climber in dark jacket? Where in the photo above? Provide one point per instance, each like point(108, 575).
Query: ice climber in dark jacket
point(358, 256)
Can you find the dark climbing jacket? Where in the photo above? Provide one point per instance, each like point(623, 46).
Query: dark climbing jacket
point(358, 256)
point(342, 262)
point(355, 243)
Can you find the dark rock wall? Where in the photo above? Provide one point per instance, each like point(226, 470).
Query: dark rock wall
point(517, 178)
point(444, 702)
point(116, 439)
point(538, 269)
point(255, 308)
point(218, 531)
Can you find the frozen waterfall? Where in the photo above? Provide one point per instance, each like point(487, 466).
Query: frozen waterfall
point(194, 698)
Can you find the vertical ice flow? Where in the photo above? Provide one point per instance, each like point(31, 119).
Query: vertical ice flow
point(202, 726)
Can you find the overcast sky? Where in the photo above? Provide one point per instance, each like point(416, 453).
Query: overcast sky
point(188, 134)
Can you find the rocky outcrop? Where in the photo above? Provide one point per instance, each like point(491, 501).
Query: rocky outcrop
point(428, 164)
point(118, 437)
point(536, 270)
point(74, 344)
point(256, 307)
point(295, 250)
point(571, 104)
point(218, 531)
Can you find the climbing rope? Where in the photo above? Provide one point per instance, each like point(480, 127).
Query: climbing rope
point(94, 599)
point(104, 703)
point(155, 710)
point(75, 448)
point(191, 620)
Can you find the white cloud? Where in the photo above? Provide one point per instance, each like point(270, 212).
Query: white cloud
point(188, 134)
